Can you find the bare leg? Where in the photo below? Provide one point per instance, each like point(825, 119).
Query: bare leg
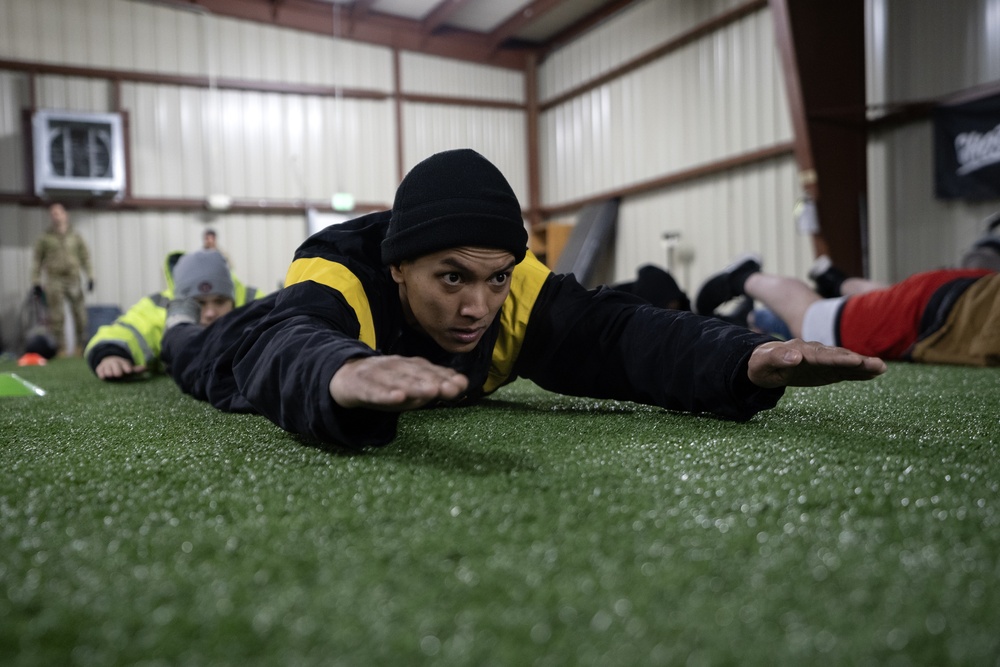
point(853, 286)
point(787, 297)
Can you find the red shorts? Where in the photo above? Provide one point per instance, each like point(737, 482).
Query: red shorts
point(886, 322)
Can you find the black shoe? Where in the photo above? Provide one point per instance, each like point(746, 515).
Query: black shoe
point(183, 311)
point(827, 277)
point(991, 239)
point(993, 223)
point(726, 284)
point(740, 313)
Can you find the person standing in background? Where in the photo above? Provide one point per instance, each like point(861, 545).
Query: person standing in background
point(209, 242)
point(62, 255)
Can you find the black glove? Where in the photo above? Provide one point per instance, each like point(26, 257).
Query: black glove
point(90, 285)
point(38, 291)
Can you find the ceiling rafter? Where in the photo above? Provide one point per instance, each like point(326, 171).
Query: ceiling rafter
point(523, 17)
point(360, 9)
point(434, 34)
point(584, 23)
point(441, 13)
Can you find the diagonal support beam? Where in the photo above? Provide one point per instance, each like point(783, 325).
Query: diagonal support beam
point(524, 16)
point(440, 14)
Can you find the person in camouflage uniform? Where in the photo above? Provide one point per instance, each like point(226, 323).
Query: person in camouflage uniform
point(62, 254)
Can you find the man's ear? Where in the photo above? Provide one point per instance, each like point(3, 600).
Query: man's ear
point(397, 272)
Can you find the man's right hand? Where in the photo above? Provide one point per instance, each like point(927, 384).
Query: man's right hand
point(798, 363)
point(394, 383)
point(115, 368)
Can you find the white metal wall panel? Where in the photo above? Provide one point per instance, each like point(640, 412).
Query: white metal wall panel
point(194, 142)
point(12, 146)
point(716, 219)
point(917, 50)
point(713, 99)
point(189, 142)
point(76, 93)
point(247, 50)
point(19, 228)
point(498, 134)
point(128, 249)
point(25, 37)
point(430, 75)
point(135, 35)
point(630, 33)
point(938, 47)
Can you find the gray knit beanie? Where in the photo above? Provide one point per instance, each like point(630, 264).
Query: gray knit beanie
point(452, 199)
point(203, 273)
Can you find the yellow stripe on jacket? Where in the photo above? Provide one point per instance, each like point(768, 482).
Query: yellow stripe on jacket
point(338, 277)
point(525, 284)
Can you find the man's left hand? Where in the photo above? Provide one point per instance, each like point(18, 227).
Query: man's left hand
point(797, 363)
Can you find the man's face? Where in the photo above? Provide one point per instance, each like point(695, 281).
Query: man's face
point(454, 295)
point(59, 217)
point(213, 307)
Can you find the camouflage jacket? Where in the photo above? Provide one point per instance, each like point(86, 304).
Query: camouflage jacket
point(61, 255)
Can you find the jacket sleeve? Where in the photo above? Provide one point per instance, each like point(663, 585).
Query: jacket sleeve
point(606, 344)
point(286, 361)
point(135, 335)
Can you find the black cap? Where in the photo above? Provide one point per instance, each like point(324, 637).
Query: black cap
point(452, 199)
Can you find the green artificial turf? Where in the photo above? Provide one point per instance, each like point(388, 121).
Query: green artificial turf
point(857, 524)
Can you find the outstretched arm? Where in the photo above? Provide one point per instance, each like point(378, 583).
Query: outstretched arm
point(394, 383)
point(797, 363)
point(114, 367)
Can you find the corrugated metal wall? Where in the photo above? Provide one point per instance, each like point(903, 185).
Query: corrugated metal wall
point(189, 141)
point(497, 133)
point(922, 50)
point(712, 220)
point(715, 98)
point(712, 99)
point(637, 30)
point(258, 145)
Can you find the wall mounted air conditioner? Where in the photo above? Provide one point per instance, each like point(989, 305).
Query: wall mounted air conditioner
point(78, 154)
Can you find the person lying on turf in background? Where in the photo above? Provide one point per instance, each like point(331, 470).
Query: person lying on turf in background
point(438, 303)
point(948, 316)
point(131, 344)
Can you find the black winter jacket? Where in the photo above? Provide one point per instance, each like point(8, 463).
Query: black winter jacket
point(277, 355)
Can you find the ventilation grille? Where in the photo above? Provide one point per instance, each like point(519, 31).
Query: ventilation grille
point(78, 153)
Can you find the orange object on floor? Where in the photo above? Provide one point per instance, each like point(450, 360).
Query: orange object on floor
point(31, 359)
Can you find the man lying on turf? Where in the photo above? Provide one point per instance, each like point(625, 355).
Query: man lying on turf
point(130, 345)
point(437, 302)
point(947, 316)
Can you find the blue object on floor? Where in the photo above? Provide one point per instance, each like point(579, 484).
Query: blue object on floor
point(766, 321)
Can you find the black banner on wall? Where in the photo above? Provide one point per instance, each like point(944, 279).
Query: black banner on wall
point(967, 150)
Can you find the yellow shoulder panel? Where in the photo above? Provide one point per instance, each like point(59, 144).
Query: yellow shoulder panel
point(338, 277)
point(526, 283)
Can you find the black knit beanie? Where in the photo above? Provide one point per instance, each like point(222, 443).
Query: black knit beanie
point(452, 199)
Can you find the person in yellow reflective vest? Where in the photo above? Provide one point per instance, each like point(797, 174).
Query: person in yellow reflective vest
point(131, 344)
